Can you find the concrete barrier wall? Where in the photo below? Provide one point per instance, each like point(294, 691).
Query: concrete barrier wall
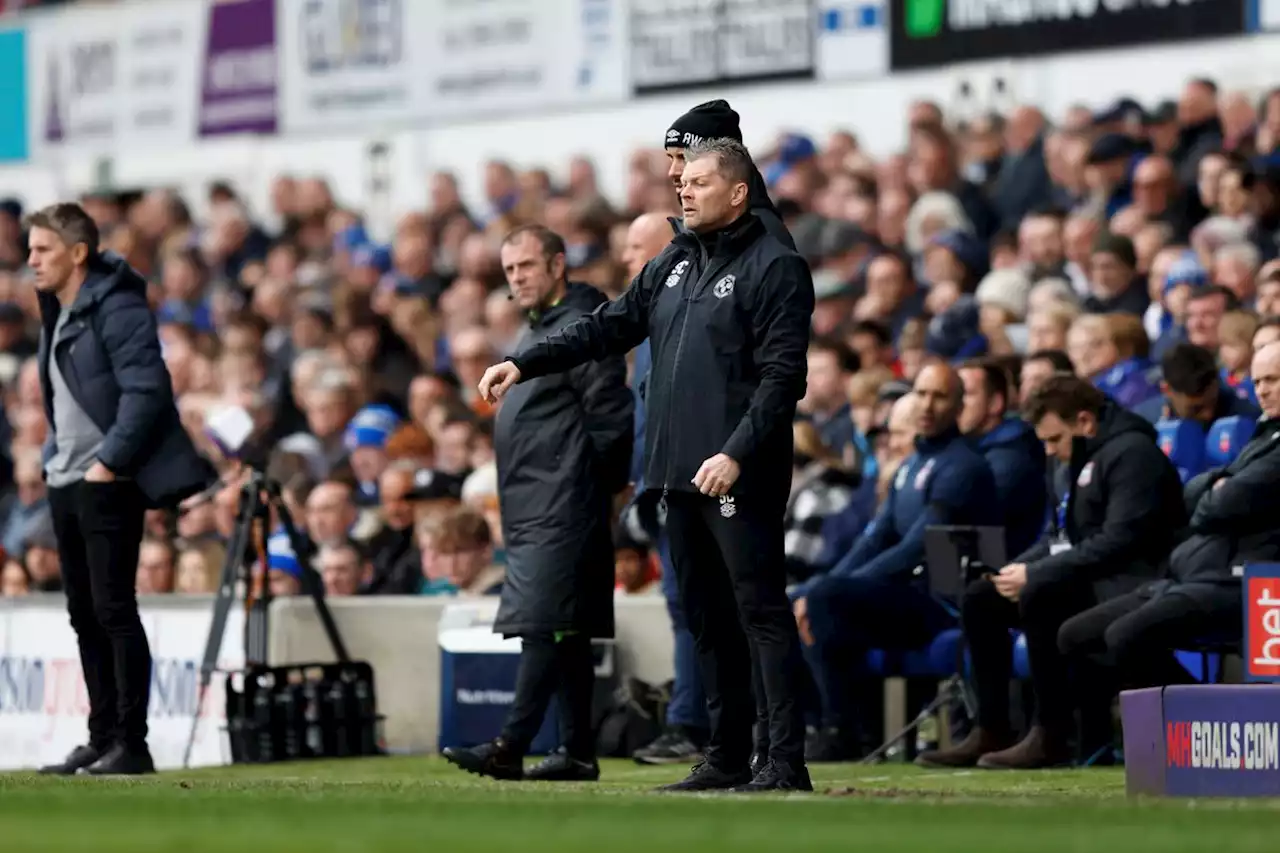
point(398, 636)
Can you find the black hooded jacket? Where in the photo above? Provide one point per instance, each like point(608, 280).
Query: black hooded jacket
point(1233, 515)
point(1124, 509)
point(727, 315)
point(563, 445)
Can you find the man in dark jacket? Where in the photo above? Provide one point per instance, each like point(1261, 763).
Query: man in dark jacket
point(1112, 527)
point(876, 596)
point(115, 448)
point(729, 328)
point(1191, 390)
point(1010, 446)
point(563, 444)
point(1233, 522)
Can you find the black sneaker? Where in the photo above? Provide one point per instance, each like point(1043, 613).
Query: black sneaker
point(759, 759)
point(706, 777)
point(81, 756)
point(560, 767)
point(672, 747)
point(831, 746)
point(494, 759)
point(776, 776)
point(121, 761)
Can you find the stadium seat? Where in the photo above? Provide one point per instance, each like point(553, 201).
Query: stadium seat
point(936, 660)
point(1184, 443)
point(1226, 438)
point(1021, 660)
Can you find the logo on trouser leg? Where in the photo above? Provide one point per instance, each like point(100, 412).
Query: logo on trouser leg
point(728, 508)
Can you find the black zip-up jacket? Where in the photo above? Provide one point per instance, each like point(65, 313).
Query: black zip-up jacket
point(1234, 523)
point(1124, 509)
point(727, 315)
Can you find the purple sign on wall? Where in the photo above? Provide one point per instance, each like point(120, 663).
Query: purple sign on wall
point(238, 91)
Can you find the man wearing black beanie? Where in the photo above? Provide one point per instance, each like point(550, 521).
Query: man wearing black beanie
point(714, 120)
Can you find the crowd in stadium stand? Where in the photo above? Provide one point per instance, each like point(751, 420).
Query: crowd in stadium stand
point(1135, 247)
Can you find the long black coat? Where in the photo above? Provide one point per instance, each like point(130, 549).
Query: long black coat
point(563, 444)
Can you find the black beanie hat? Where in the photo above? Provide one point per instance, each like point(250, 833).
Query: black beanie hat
point(712, 120)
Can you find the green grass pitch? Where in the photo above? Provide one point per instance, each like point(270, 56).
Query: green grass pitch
point(422, 804)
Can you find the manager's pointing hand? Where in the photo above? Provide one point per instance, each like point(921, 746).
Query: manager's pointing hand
point(497, 380)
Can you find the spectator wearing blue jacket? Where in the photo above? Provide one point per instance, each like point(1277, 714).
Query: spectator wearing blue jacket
point(1192, 390)
point(876, 596)
point(1009, 444)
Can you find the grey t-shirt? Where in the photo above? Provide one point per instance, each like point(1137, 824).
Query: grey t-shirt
point(76, 437)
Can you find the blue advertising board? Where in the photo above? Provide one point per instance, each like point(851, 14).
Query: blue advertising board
point(13, 95)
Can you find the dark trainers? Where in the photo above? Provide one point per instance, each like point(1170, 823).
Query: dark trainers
point(121, 761)
point(81, 756)
point(672, 747)
point(967, 752)
point(706, 777)
point(1036, 751)
point(560, 767)
point(778, 776)
point(494, 759)
point(832, 745)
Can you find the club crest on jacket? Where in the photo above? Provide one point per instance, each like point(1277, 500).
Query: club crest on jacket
point(728, 508)
point(674, 278)
point(724, 287)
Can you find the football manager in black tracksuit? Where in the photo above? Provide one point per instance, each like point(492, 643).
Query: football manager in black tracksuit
point(729, 329)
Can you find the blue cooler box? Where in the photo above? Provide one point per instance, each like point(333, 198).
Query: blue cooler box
point(478, 680)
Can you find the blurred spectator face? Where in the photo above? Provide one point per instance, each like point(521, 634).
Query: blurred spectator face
point(826, 383)
point(1147, 244)
point(453, 447)
point(155, 569)
point(1268, 299)
point(42, 566)
point(460, 563)
point(930, 167)
point(502, 317)
point(411, 255)
point(1035, 372)
point(13, 580)
point(282, 262)
point(648, 235)
point(28, 476)
point(1266, 379)
point(582, 178)
point(1040, 241)
point(283, 584)
point(1234, 267)
point(180, 280)
point(193, 573)
point(978, 408)
point(891, 217)
point(938, 396)
point(500, 185)
point(1198, 103)
point(531, 274)
point(1237, 115)
point(284, 196)
point(1233, 196)
point(1090, 351)
point(940, 265)
point(1078, 236)
point(471, 355)
point(1045, 331)
point(1264, 336)
point(1209, 178)
point(462, 303)
point(1193, 407)
point(308, 331)
point(924, 113)
point(328, 411)
point(887, 285)
point(1153, 185)
point(424, 393)
point(368, 463)
point(444, 193)
point(901, 432)
point(1204, 313)
point(341, 570)
point(1108, 274)
point(394, 489)
point(1127, 221)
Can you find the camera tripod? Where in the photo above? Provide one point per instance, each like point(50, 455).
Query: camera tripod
point(258, 497)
